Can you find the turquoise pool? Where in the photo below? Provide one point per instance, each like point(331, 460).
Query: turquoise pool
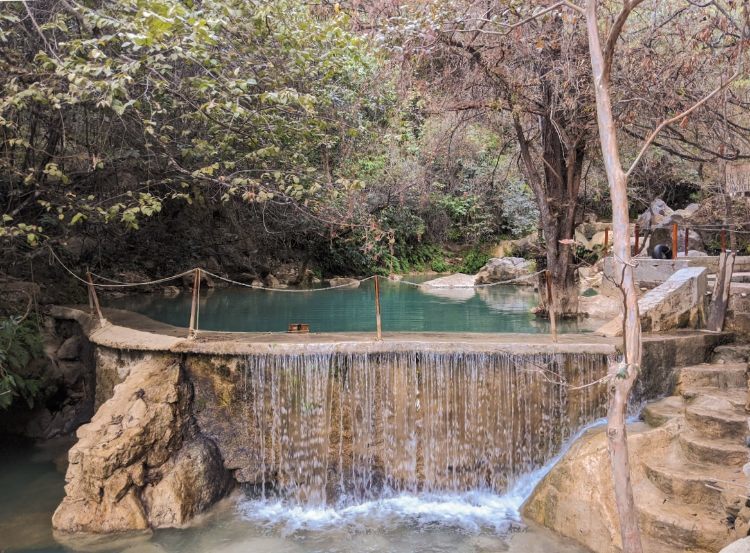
point(404, 308)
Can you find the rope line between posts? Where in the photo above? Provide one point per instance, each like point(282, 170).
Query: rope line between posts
point(516, 279)
point(119, 284)
point(255, 286)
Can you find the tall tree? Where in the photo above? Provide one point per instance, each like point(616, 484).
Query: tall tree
point(110, 108)
point(523, 67)
point(623, 376)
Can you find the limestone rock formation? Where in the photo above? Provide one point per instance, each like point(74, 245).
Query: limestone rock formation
point(740, 546)
point(658, 220)
point(343, 281)
point(686, 467)
point(457, 280)
point(141, 463)
point(500, 269)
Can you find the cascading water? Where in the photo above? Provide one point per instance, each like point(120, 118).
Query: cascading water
point(330, 435)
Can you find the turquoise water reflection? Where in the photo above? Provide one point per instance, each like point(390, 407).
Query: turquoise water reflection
point(404, 308)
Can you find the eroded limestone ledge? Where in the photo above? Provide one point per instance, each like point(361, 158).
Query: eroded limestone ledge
point(141, 462)
point(125, 330)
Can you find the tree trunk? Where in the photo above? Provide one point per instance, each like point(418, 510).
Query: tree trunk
point(623, 376)
point(556, 194)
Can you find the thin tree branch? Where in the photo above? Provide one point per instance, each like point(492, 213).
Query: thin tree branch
point(615, 32)
point(676, 118)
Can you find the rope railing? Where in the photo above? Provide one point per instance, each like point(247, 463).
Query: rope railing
point(548, 376)
point(198, 273)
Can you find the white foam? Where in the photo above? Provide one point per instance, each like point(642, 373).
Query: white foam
point(471, 511)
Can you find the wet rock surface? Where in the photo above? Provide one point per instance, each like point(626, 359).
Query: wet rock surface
point(141, 463)
point(500, 269)
point(687, 470)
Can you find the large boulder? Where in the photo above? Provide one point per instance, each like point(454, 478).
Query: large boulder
point(345, 282)
point(501, 269)
point(457, 280)
point(141, 462)
point(576, 498)
point(655, 215)
point(658, 220)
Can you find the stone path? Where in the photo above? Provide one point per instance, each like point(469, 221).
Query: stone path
point(693, 496)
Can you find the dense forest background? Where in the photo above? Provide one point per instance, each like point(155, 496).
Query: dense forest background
point(151, 136)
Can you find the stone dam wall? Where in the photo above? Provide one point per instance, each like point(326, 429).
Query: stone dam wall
point(180, 422)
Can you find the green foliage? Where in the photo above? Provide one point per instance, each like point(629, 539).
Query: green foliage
point(468, 214)
point(475, 259)
point(211, 101)
point(520, 212)
point(20, 343)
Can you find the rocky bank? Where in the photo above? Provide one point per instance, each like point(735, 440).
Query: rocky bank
point(141, 462)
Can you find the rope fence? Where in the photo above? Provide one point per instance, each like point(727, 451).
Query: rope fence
point(198, 273)
point(548, 376)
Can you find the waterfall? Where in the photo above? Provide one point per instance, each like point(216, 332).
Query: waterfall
point(345, 428)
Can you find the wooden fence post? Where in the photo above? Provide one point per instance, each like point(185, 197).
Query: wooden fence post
point(637, 239)
point(94, 299)
point(674, 241)
point(687, 241)
point(550, 308)
point(606, 239)
point(377, 309)
point(723, 240)
point(192, 330)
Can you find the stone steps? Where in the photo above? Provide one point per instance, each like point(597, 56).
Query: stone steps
point(736, 396)
point(737, 277)
point(658, 412)
point(716, 418)
point(678, 525)
point(731, 353)
point(698, 449)
point(721, 376)
point(652, 545)
point(689, 482)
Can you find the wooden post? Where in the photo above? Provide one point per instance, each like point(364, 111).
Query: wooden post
point(377, 309)
point(723, 240)
point(192, 330)
point(606, 239)
point(674, 241)
point(94, 299)
point(550, 308)
point(687, 241)
point(637, 244)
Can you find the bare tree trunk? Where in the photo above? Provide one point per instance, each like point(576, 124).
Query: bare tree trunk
point(624, 375)
point(556, 194)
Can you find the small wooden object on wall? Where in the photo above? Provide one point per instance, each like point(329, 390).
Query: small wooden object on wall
point(298, 328)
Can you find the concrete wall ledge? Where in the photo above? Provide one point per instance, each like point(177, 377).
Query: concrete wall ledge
point(130, 331)
point(679, 302)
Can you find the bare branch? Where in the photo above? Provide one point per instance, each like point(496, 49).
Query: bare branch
point(510, 28)
point(677, 117)
point(615, 32)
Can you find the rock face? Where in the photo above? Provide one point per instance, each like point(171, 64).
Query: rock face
point(740, 546)
point(659, 218)
point(500, 269)
point(65, 372)
point(141, 463)
point(686, 468)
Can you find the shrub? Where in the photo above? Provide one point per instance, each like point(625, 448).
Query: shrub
point(20, 343)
